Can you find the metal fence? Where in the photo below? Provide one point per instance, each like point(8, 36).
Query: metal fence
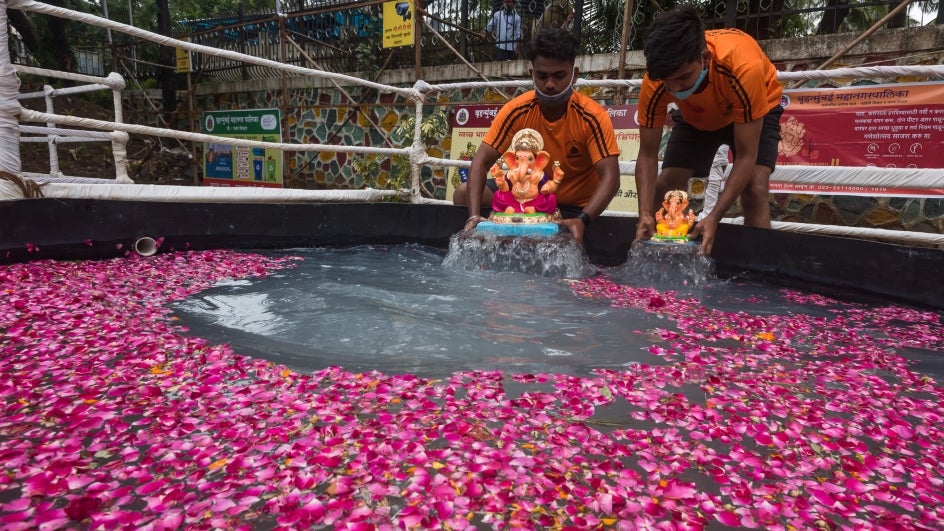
point(345, 36)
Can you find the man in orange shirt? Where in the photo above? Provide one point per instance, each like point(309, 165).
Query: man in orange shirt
point(728, 93)
point(577, 132)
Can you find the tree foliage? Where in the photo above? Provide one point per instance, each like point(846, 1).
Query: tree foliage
point(49, 39)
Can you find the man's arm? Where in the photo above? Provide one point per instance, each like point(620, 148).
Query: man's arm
point(647, 169)
point(607, 169)
point(484, 157)
point(488, 27)
point(746, 139)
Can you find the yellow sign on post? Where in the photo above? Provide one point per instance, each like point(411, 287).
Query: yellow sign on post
point(398, 24)
point(183, 60)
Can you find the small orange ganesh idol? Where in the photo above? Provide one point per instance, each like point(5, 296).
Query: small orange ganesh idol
point(672, 223)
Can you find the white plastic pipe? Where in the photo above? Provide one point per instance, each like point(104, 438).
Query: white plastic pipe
point(145, 246)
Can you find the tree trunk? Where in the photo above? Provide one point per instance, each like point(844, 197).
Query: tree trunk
point(836, 12)
point(21, 22)
point(900, 20)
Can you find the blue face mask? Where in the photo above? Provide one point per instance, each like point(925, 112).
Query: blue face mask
point(686, 93)
point(561, 96)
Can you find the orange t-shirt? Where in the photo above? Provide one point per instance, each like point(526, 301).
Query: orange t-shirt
point(742, 86)
point(582, 137)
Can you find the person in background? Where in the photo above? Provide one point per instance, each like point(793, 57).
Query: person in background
point(716, 178)
point(505, 27)
point(727, 90)
point(557, 14)
point(577, 132)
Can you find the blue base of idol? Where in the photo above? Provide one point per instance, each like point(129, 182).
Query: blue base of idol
point(532, 230)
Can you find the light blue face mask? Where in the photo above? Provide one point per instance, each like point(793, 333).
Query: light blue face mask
point(686, 93)
point(561, 96)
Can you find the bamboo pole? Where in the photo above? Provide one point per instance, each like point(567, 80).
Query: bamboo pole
point(624, 44)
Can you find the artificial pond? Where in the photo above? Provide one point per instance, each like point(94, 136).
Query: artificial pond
point(813, 413)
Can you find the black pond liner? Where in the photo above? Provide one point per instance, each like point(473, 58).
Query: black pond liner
point(64, 229)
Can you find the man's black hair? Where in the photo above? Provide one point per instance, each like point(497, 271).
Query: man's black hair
point(675, 38)
point(553, 43)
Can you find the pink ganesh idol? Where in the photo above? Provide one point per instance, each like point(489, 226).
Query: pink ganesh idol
point(524, 188)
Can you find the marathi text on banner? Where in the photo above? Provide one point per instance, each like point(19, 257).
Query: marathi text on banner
point(884, 126)
point(891, 126)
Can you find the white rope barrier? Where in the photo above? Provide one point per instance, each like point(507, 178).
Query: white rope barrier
point(54, 136)
point(848, 180)
point(887, 235)
point(861, 72)
point(36, 116)
point(66, 135)
point(803, 75)
point(114, 81)
point(43, 179)
point(209, 194)
point(9, 106)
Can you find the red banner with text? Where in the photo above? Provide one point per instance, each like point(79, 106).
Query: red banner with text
point(892, 126)
point(898, 126)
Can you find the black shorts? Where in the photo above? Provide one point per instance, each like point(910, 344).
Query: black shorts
point(695, 149)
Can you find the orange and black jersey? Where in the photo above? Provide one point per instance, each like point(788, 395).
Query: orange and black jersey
point(741, 86)
point(582, 137)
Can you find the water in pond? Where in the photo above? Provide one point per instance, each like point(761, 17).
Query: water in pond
point(554, 256)
point(399, 309)
point(666, 265)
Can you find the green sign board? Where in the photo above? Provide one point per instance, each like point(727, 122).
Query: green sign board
point(228, 165)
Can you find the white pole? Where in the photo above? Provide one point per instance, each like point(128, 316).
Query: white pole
point(9, 105)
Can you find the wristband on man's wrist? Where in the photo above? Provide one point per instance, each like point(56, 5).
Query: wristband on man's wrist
point(585, 219)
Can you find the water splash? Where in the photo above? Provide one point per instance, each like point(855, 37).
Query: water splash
point(666, 266)
point(554, 256)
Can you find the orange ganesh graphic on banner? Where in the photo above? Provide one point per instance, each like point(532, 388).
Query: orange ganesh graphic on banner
point(792, 132)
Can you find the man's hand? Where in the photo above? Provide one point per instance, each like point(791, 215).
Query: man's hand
point(706, 229)
point(646, 226)
point(576, 228)
point(472, 222)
